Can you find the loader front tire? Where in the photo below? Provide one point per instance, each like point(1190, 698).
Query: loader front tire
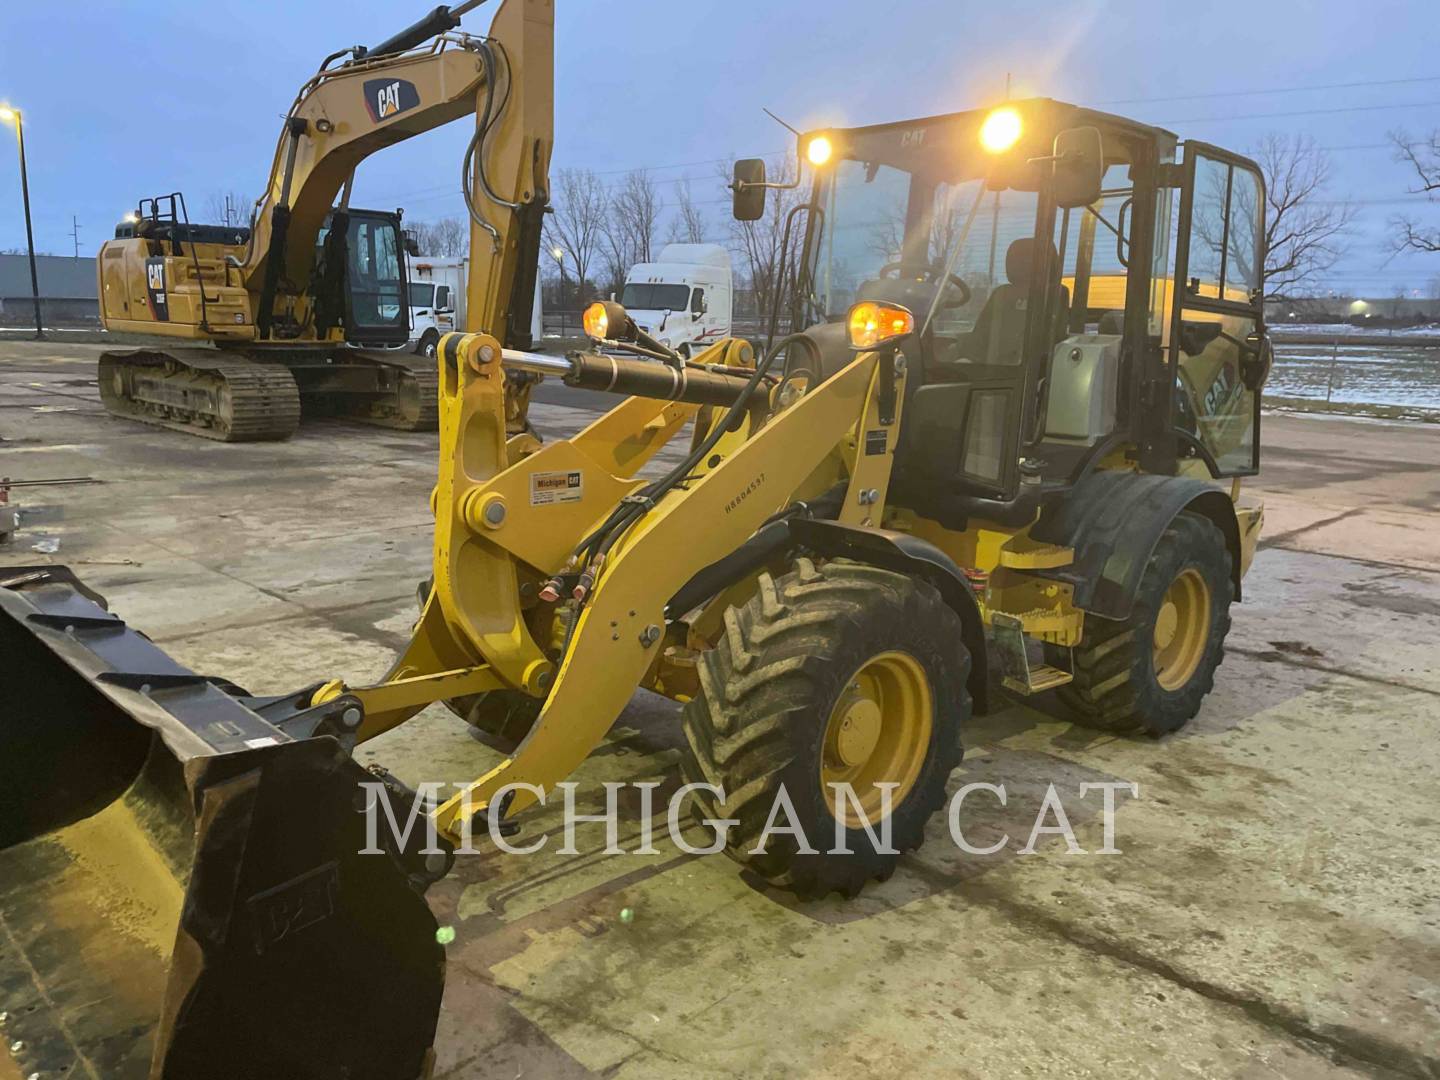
point(843, 673)
point(1151, 671)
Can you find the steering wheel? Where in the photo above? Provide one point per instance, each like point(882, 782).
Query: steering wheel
point(932, 273)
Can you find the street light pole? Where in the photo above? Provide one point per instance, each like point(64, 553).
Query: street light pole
point(7, 113)
point(559, 254)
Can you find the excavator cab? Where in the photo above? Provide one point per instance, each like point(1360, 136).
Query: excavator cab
point(360, 281)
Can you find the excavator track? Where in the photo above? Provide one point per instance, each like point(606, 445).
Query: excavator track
point(204, 392)
point(410, 397)
point(386, 388)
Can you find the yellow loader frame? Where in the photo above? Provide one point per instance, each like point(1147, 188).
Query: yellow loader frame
point(473, 637)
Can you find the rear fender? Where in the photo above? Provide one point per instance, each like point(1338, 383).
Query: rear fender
point(1113, 519)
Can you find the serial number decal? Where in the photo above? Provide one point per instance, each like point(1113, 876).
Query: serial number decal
point(745, 493)
point(874, 442)
point(548, 488)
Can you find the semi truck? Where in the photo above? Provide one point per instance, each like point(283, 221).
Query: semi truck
point(683, 299)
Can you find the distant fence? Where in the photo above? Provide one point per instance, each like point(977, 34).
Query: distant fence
point(54, 311)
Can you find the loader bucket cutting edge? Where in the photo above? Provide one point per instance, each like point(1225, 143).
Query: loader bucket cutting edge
point(182, 889)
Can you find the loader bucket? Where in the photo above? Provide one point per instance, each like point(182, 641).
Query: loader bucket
point(182, 889)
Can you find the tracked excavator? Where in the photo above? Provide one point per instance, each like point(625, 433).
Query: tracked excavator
point(307, 309)
point(1000, 459)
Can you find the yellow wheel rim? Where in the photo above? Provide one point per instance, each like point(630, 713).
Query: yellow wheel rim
point(1182, 630)
point(878, 732)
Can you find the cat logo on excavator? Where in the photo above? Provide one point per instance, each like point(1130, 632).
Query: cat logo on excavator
point(389, 97)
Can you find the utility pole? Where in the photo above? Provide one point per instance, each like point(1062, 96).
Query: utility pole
point(75, 234)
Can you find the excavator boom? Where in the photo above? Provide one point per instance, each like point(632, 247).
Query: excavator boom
point(315, 290)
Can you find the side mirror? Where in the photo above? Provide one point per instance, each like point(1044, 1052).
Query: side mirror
point(748, 190)
point(1258, 358)
point(412, 246)
point(1077, 170)
point(1196, 336)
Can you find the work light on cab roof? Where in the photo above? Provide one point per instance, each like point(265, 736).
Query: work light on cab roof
point(1001, 130)
point(819, 150)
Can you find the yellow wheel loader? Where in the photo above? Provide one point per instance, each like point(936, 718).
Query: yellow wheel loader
point(309, 305)
point(1002, 455)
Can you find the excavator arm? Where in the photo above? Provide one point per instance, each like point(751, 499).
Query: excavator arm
point(400, 89)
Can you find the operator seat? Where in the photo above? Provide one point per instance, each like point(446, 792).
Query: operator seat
point(999, 333)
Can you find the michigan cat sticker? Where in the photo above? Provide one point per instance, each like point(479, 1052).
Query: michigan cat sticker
point(389, 97)
point(549, 488)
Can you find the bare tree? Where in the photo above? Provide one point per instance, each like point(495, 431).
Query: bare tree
point(1423, 156)
point(577, 226)
point(229, 208)
point(1305, 233)
point(445, 238)
point(630, 226)
point(688, 224)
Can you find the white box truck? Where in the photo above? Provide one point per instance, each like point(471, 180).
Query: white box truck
point(437, 300)
point(684, 297)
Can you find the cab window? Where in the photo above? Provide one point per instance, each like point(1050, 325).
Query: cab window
point(1218, 316)
point(1094, 248)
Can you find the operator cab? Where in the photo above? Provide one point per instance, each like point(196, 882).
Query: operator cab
point(360, 282)
point(1037, 246)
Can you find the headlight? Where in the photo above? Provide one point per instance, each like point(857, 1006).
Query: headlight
point(1001, 130)
point(872, 325)
point(605, 320)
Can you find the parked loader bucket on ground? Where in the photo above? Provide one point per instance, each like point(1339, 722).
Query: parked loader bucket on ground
point(182, 889)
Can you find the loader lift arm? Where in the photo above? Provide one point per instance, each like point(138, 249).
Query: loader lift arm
point(491, 532)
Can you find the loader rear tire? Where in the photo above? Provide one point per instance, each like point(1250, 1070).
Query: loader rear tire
point(844, 672)
point(1151, 671)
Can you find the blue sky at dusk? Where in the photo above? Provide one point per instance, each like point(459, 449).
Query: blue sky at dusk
point(128, 99)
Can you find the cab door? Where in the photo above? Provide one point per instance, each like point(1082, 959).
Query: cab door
point(1216, 333)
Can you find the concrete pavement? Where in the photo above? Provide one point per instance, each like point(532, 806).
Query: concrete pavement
point(1274, 909)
